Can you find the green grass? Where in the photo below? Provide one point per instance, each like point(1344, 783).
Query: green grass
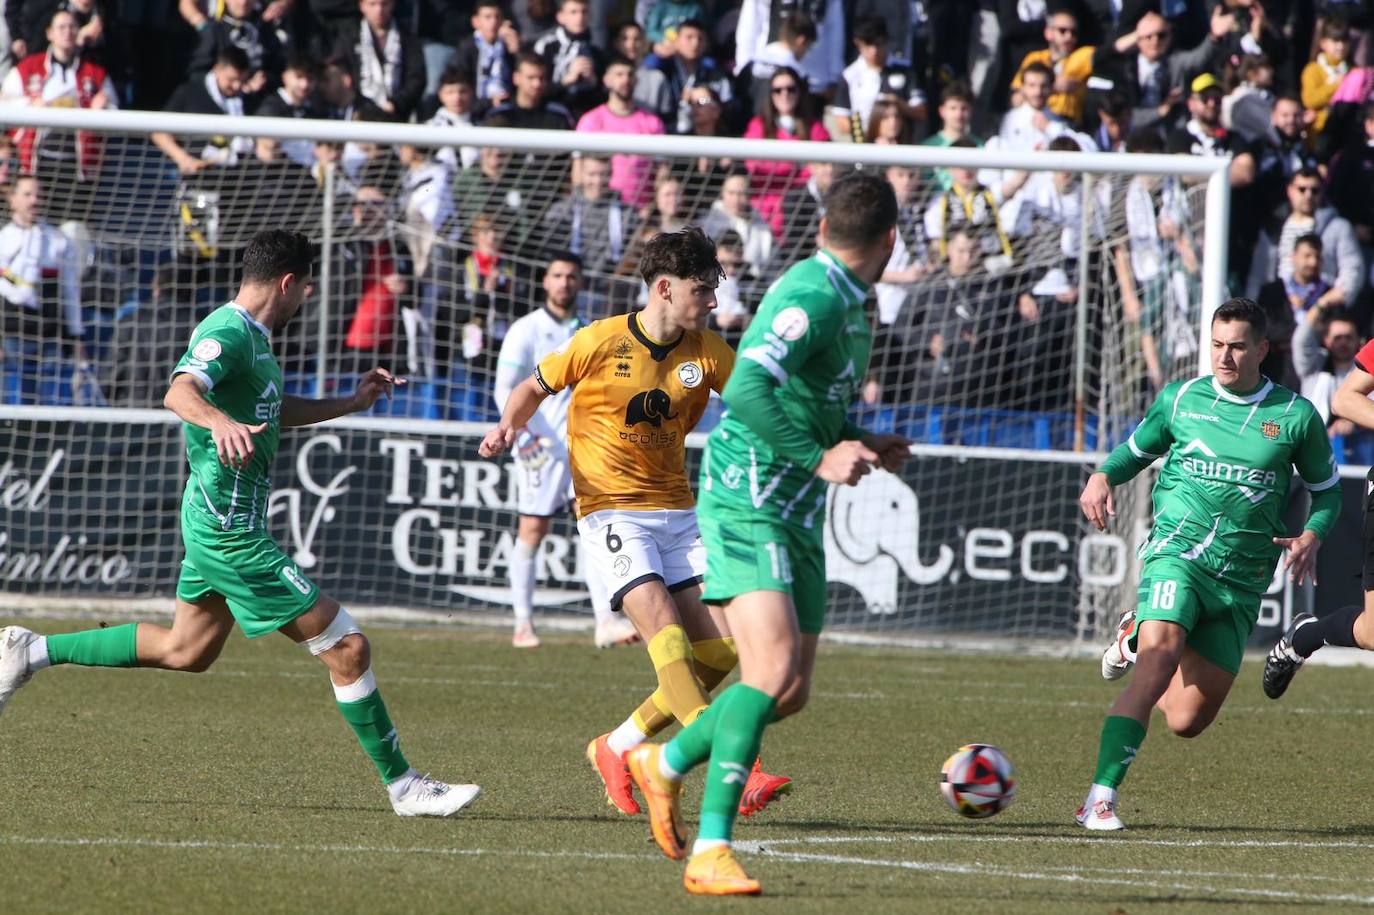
point(242, 790)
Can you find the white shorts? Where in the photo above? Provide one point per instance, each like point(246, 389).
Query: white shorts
point(543, 476)
point(628, 548)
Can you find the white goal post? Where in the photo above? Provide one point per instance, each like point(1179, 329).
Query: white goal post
point(395, 509)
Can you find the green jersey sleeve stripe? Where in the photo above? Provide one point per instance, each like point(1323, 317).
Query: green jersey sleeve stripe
point(757, 355)
point(1325, 484)
point(1141, 452)
point(195, 373)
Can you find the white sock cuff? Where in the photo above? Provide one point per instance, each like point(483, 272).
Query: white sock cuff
point(38, 654)
point(625, 737)
point(343, 625)
point(358, 690)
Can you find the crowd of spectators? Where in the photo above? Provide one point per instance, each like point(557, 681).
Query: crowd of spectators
point(442, 244)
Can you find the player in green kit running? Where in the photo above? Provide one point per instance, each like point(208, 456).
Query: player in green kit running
point(1230, 442)
point(227, 389)
point(761, 511)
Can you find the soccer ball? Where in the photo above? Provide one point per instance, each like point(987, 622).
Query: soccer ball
point(978, 781)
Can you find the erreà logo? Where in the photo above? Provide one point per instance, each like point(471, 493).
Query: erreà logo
point(651, 407)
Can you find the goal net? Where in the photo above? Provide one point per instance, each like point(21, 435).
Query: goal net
point(1033, 305)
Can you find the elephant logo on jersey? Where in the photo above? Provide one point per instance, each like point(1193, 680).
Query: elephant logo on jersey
point(866, 555)
point(651, 407)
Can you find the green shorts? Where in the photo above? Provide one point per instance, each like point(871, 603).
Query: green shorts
point(1218, 617)
point(264, 588)
point(745, 554)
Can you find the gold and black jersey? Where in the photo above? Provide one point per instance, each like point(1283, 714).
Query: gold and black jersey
point(634, 401)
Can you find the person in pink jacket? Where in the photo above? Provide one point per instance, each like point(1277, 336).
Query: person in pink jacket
point(786, 115)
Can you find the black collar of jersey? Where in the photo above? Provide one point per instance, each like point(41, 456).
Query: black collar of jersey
point(657, 351)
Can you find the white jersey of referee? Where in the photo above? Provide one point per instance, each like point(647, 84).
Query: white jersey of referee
point(529, 340)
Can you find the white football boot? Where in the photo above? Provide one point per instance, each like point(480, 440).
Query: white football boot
point(1101, 816)
point(1115, 663)
point(525, 636)
point(422, 796)
point(617, 631)
point(14, 661)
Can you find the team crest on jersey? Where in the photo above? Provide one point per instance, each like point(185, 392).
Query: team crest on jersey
point(689, 373)
point(625, 348)
point(206, 350)
point(1269, 429)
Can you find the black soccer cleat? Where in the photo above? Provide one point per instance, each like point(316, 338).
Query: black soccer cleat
point(1283, 662)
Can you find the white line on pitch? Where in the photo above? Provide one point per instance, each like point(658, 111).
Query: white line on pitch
point(1003, 871)
point(1102, 842)
point(216, 845)
point(1067, 875)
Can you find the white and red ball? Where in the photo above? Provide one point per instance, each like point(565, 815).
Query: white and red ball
point(978, 781)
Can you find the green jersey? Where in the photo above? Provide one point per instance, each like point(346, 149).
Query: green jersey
point(801, 365)
point(1220, 497)
point(231, 354)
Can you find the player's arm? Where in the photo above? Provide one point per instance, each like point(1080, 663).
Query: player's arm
point(1351, 400)
point(1316, 467)
point(763, 368)
point(512, 367)
point(233, 440)
point(301, 411)
point(1149, 442)
point(523, 402)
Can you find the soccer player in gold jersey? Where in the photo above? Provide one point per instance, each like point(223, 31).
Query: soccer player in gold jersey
point(640, 384)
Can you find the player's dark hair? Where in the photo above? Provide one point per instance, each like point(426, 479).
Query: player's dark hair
point(564, 257)
point(870, 30)
point(1144, 140)
point(618, 60)
point(687, 255)
point(486, 4)
point(1246, 310)
point(1339, 314)
point(1040, 68)
point(1311, 240)
point(860, 208)
point(1335, 27)
point(693, 23)
point(1308, 172)
point(731, 241)
point(457, 74)
point(1064, 143)
point(531, 58)
point(274, 253)
point(957, 91)
point(232, 55)
point(304, 62)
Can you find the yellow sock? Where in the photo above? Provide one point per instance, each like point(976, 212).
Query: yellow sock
point(712, 661)
point(680, 690)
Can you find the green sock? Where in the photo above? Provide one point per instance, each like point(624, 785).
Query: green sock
point(1121, 740)
point(112, 647)
point(739, 732)
point(692, 745)
point(369, 720)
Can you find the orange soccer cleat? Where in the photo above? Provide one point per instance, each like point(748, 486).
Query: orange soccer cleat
point(614, 774)
point(715, 872)
point(661, 797)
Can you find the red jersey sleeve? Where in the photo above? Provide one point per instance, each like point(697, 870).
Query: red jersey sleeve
point(1365, 357)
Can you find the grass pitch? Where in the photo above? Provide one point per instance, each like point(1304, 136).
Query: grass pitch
point(242, 790)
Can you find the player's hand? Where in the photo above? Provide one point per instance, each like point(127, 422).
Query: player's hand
point(1097, 502)
point(234, 441)
point(498, 441)
point(373, 386)
point(846, 463)
point(1301, 561)
point(892, 450)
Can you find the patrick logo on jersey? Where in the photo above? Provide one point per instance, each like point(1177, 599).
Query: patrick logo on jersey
point(649, 408)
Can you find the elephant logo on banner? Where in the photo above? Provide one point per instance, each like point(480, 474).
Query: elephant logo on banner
point(873, 530)
point(651, 407)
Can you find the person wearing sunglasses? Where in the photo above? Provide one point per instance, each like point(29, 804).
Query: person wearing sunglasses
point(1070, 63)
point(786, 115)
